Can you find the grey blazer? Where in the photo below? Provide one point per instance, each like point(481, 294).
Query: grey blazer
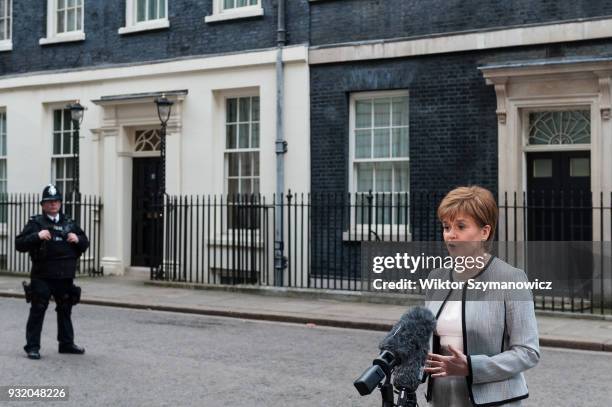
point(500, 335)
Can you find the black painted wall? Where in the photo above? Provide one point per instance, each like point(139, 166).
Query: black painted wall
point(336, 21)
point(453, 125)
point(188, 35)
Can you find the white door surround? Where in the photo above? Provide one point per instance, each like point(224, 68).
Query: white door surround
point(122, 116)
point(551, 85)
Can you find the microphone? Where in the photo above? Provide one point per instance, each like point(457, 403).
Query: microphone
point(403, 351)
point(411, 344)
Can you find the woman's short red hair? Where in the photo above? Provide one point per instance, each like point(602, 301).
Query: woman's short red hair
point(474, 201)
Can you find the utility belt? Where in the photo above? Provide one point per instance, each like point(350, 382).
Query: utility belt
point(73, 297)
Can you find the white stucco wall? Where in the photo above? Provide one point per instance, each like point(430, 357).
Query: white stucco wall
point(196, 137)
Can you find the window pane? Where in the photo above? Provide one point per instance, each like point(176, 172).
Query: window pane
point(60, 22)
point(245, 108)
point(152, 10)
point(363, 144)
point(228, 4)
point(245, 186)
point(232, 110)
point(141, 10)
point(365, 177)
point(579, 167)
point(383, 177)
point(400, 111)
point(400, 142)
point(245, 165)
point(232, 186)
point(402, 177)
point(253, 2)
point(230, 136)
point(243, 136)
point(79, 18)
point(363, 114)
point(255, 159)
point(71, 20)
point(232, 165)
point(68, 188)
point(255, 109)
point(256, 185)
point(241, 3)
point(67, 119)
point(382, 112)
point(255, 135)
point(542, 168)
point(57, 143)
point(69, 168)
point(66, 144)
point(61, 4)
point(70, 3)
point(162, 9)
point(57, 120)
point(2, 171)
point(59, 169)
point(381, 143)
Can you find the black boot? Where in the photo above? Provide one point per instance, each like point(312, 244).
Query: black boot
point(33, 354)
point(71, 348)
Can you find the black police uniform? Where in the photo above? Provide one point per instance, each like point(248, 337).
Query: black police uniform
point(53, 270)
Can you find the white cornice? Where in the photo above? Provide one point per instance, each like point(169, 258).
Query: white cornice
point(298, 53)
point(456, 42)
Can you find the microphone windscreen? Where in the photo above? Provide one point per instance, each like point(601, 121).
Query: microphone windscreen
point(409, 342)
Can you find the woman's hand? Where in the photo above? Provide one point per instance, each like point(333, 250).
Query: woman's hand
point(442, 366)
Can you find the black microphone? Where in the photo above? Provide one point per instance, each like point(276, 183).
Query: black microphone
point(403, 354)
point(411, 344)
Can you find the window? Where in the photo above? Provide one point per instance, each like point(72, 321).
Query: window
point(6, 8)
point(233, 4)
point(232, 9)
point(560, 127)
point(379, 151)
point(242, 158)
point(141, 15)
point(62, 159)
point(64, 21)
point(3, 173)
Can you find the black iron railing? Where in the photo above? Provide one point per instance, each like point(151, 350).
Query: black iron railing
point(15, 211)
point(218, 239)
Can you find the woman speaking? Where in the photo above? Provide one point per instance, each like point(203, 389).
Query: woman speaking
point(483, 341)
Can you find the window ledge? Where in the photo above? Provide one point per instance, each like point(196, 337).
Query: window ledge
point(6, 45)
point(235, 14)
point(145, 26)
point(64, 37)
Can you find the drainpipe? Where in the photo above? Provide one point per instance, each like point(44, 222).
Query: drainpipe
point(280, 262)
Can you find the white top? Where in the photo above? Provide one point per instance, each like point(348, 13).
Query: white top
point(54, 219)
point(448, 327)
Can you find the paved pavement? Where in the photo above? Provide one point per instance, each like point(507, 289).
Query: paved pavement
point(135, 291)
point(155, 358)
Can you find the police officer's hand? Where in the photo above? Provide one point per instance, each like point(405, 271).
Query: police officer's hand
point(44, 235)
point(72, 238)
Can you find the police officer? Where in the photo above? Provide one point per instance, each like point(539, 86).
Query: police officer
point(55, 243)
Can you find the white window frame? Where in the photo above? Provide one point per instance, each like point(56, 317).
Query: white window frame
point(53, 37)
point(132, 26)
point(384, 230)
point(222, 14)
point(63, 156)
point(227, 151)
point(7, 14)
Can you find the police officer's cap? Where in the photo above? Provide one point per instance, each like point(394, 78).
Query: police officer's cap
point(51, 193)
